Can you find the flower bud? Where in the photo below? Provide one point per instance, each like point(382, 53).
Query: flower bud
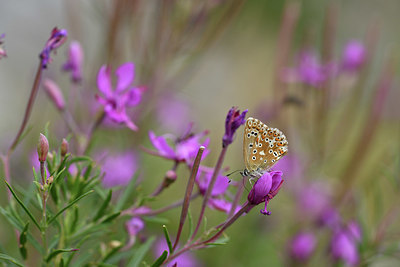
point(64, 147)
point(43, 148)
point(50, 180)
point(54, 93)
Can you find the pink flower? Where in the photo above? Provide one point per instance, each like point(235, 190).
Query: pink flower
point(302, 246)
point(233, 121)
point(354, 56)
point(2, 51)
point(119, 169)
point(309, 70)
point(217, 199)
point(184, 260)
point(116, 100)
point(54, 93)
point(344, 244)
point(184, 149)
point(75, 61)
point(57, 38)
point(265, 189)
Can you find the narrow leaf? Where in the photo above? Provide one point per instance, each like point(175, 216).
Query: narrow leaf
point(103, 207)
point(160, 259)
point(141, 252)
point(68, 206)
point(111, 217)
point(10, 259)
point(23, 206)
point(166, 234)
point(22, 237)
point(58, 251)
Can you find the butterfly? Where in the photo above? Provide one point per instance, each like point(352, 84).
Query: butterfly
point(262, 147)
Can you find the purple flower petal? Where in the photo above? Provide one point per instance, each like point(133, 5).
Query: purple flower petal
point(125, 74)
point(161, 145)
point(104, 81)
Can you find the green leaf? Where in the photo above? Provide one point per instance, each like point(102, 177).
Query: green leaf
point(58, 251)
point(15, 222)
point(166, 234)
point(160, 259)
point(111, 217)
point(128, 192)
point(35, 175)
point(79, 159)
point(23, 206)
point(68, 206)
point(103, 207)
point(22, 237)
point(141, 252)
point(5, 257)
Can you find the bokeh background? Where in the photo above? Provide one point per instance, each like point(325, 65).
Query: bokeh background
point(200, 58)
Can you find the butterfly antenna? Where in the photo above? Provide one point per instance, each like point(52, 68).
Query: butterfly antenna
point(229, 174)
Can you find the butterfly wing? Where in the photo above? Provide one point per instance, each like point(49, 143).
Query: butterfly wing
point(262, 146)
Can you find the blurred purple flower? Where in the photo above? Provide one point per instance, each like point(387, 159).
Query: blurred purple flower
point(173, 113)
point(57, 38)
point(133, 227)
point(329, 217)
point(354, 56)
point(185, 148)
point(75, 61)
point(314, 199)
point(54, 93)
point(265, 189)
point(119, 168)
point(233, 121)
point(344, 245)
point(216, 200)
point(302, 246)
point(115, 101)
point(2, 51)
point(309, 70)
point(184, 260)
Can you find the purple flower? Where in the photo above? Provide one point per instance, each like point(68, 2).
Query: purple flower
point(2, 51)
point(354, 56)
point(233, 121)
point(302, 246)
point(314, 198)
point(309, 70)
point(184, 260)
point(173, 113)
point(119, 168)
point(115, 101)
point(217, 200)
point(57, 38)
point(185, 148)
point(54, 93)
point(133, 227)
point(265, 189)
point(75, 61)
point(344, 245)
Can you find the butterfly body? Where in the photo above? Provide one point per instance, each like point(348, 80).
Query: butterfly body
point(262, 147)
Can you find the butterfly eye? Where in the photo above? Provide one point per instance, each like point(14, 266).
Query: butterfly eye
point(248, 135)
point(254, 158)
point(254, 151)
